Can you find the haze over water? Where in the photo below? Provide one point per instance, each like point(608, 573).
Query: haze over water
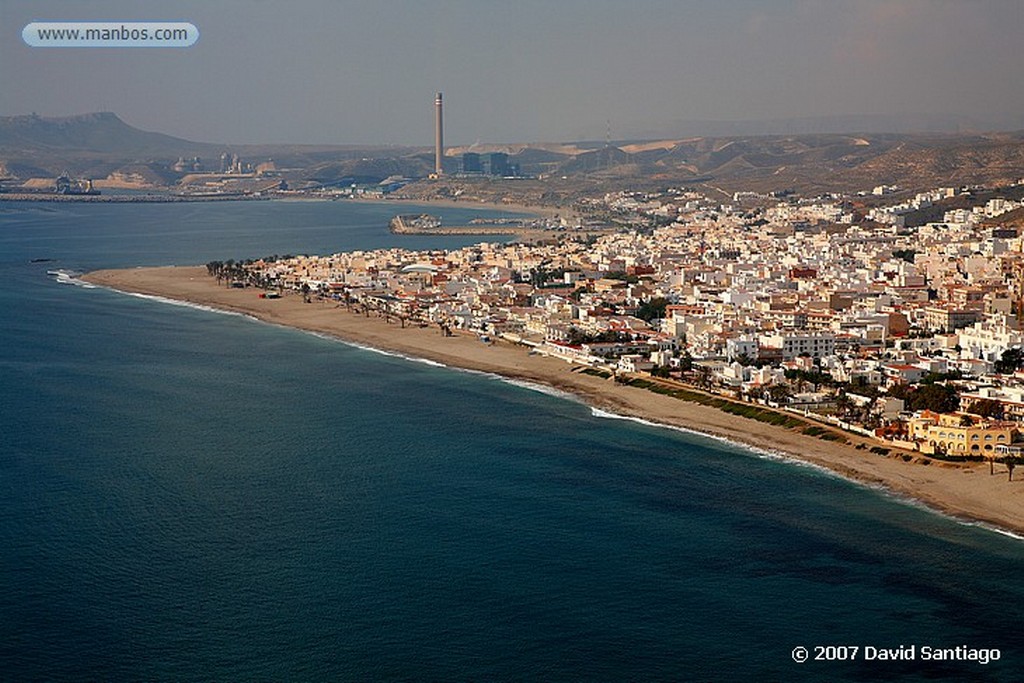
point(190, 495)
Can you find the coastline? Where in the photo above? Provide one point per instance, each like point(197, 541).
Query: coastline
point(964, 491)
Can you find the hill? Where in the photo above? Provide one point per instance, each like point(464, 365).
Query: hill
point(102, 133)
point(100, 145)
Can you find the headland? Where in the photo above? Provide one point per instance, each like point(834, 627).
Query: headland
point(963, 490)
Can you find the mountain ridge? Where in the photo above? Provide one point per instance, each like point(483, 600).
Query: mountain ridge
point(99, 144)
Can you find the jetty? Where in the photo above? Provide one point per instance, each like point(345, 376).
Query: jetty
point(531, 229)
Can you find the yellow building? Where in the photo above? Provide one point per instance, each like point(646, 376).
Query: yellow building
point(958, 433)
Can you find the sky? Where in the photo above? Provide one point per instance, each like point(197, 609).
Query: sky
point(365, 72)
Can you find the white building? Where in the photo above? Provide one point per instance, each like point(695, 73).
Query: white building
point(796, 343)
point(741, 346)
point(988, 341)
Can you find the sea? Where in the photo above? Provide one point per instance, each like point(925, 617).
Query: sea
point(190, 495)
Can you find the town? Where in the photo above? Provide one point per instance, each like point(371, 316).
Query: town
point(854, 311)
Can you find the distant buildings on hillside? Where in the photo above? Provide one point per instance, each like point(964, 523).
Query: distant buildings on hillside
point(495, 163)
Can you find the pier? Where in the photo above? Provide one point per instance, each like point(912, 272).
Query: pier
point(425, 224)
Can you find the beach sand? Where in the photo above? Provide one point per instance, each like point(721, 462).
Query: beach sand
point(966, 491)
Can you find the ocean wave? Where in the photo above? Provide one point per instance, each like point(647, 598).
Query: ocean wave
point(70, 277)
point(385, 352)
point(521, 383)
point(763, 453)
point(537, 386)
point(993, 528)
point(186, 304)
point(910, 501)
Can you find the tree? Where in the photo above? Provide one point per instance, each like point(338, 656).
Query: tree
point(987, 407)
point(1011, 462)
point(578, 336)
point(905, 254)
point(655, 308)
point(816, 377)
point(938, 398)
point(779, 393)
point(538, 276)
point(843, 404)
point(756, 393)
point(1011, 361)
point(860, 385)
point(933, 377)
point(686, 362)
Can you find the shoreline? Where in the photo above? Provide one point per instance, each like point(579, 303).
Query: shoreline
point(965, 492)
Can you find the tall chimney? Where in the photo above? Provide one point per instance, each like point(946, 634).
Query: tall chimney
point(438, 135)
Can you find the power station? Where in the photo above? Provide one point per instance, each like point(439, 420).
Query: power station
point(438, 135)
point(495, 163)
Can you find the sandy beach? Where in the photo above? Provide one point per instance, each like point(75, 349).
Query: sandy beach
point(964, 491)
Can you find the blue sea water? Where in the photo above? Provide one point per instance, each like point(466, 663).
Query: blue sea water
point(192, 495)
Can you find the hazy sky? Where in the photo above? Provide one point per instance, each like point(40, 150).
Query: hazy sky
point(349, 71)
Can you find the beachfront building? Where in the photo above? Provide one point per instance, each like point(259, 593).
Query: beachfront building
point(958, 433)
point(634, 363)
point(572, 353)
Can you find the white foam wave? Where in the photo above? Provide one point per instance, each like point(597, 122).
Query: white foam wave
point(425, 361)
point(385, 352)
point(70, 277)
point(994, 529)
point(521, 383)
point(764, 453)
point(174, 302)
point(538, 387)
point(187, 304)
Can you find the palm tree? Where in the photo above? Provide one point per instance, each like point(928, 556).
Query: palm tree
point(779, 393)
point(843, 404)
